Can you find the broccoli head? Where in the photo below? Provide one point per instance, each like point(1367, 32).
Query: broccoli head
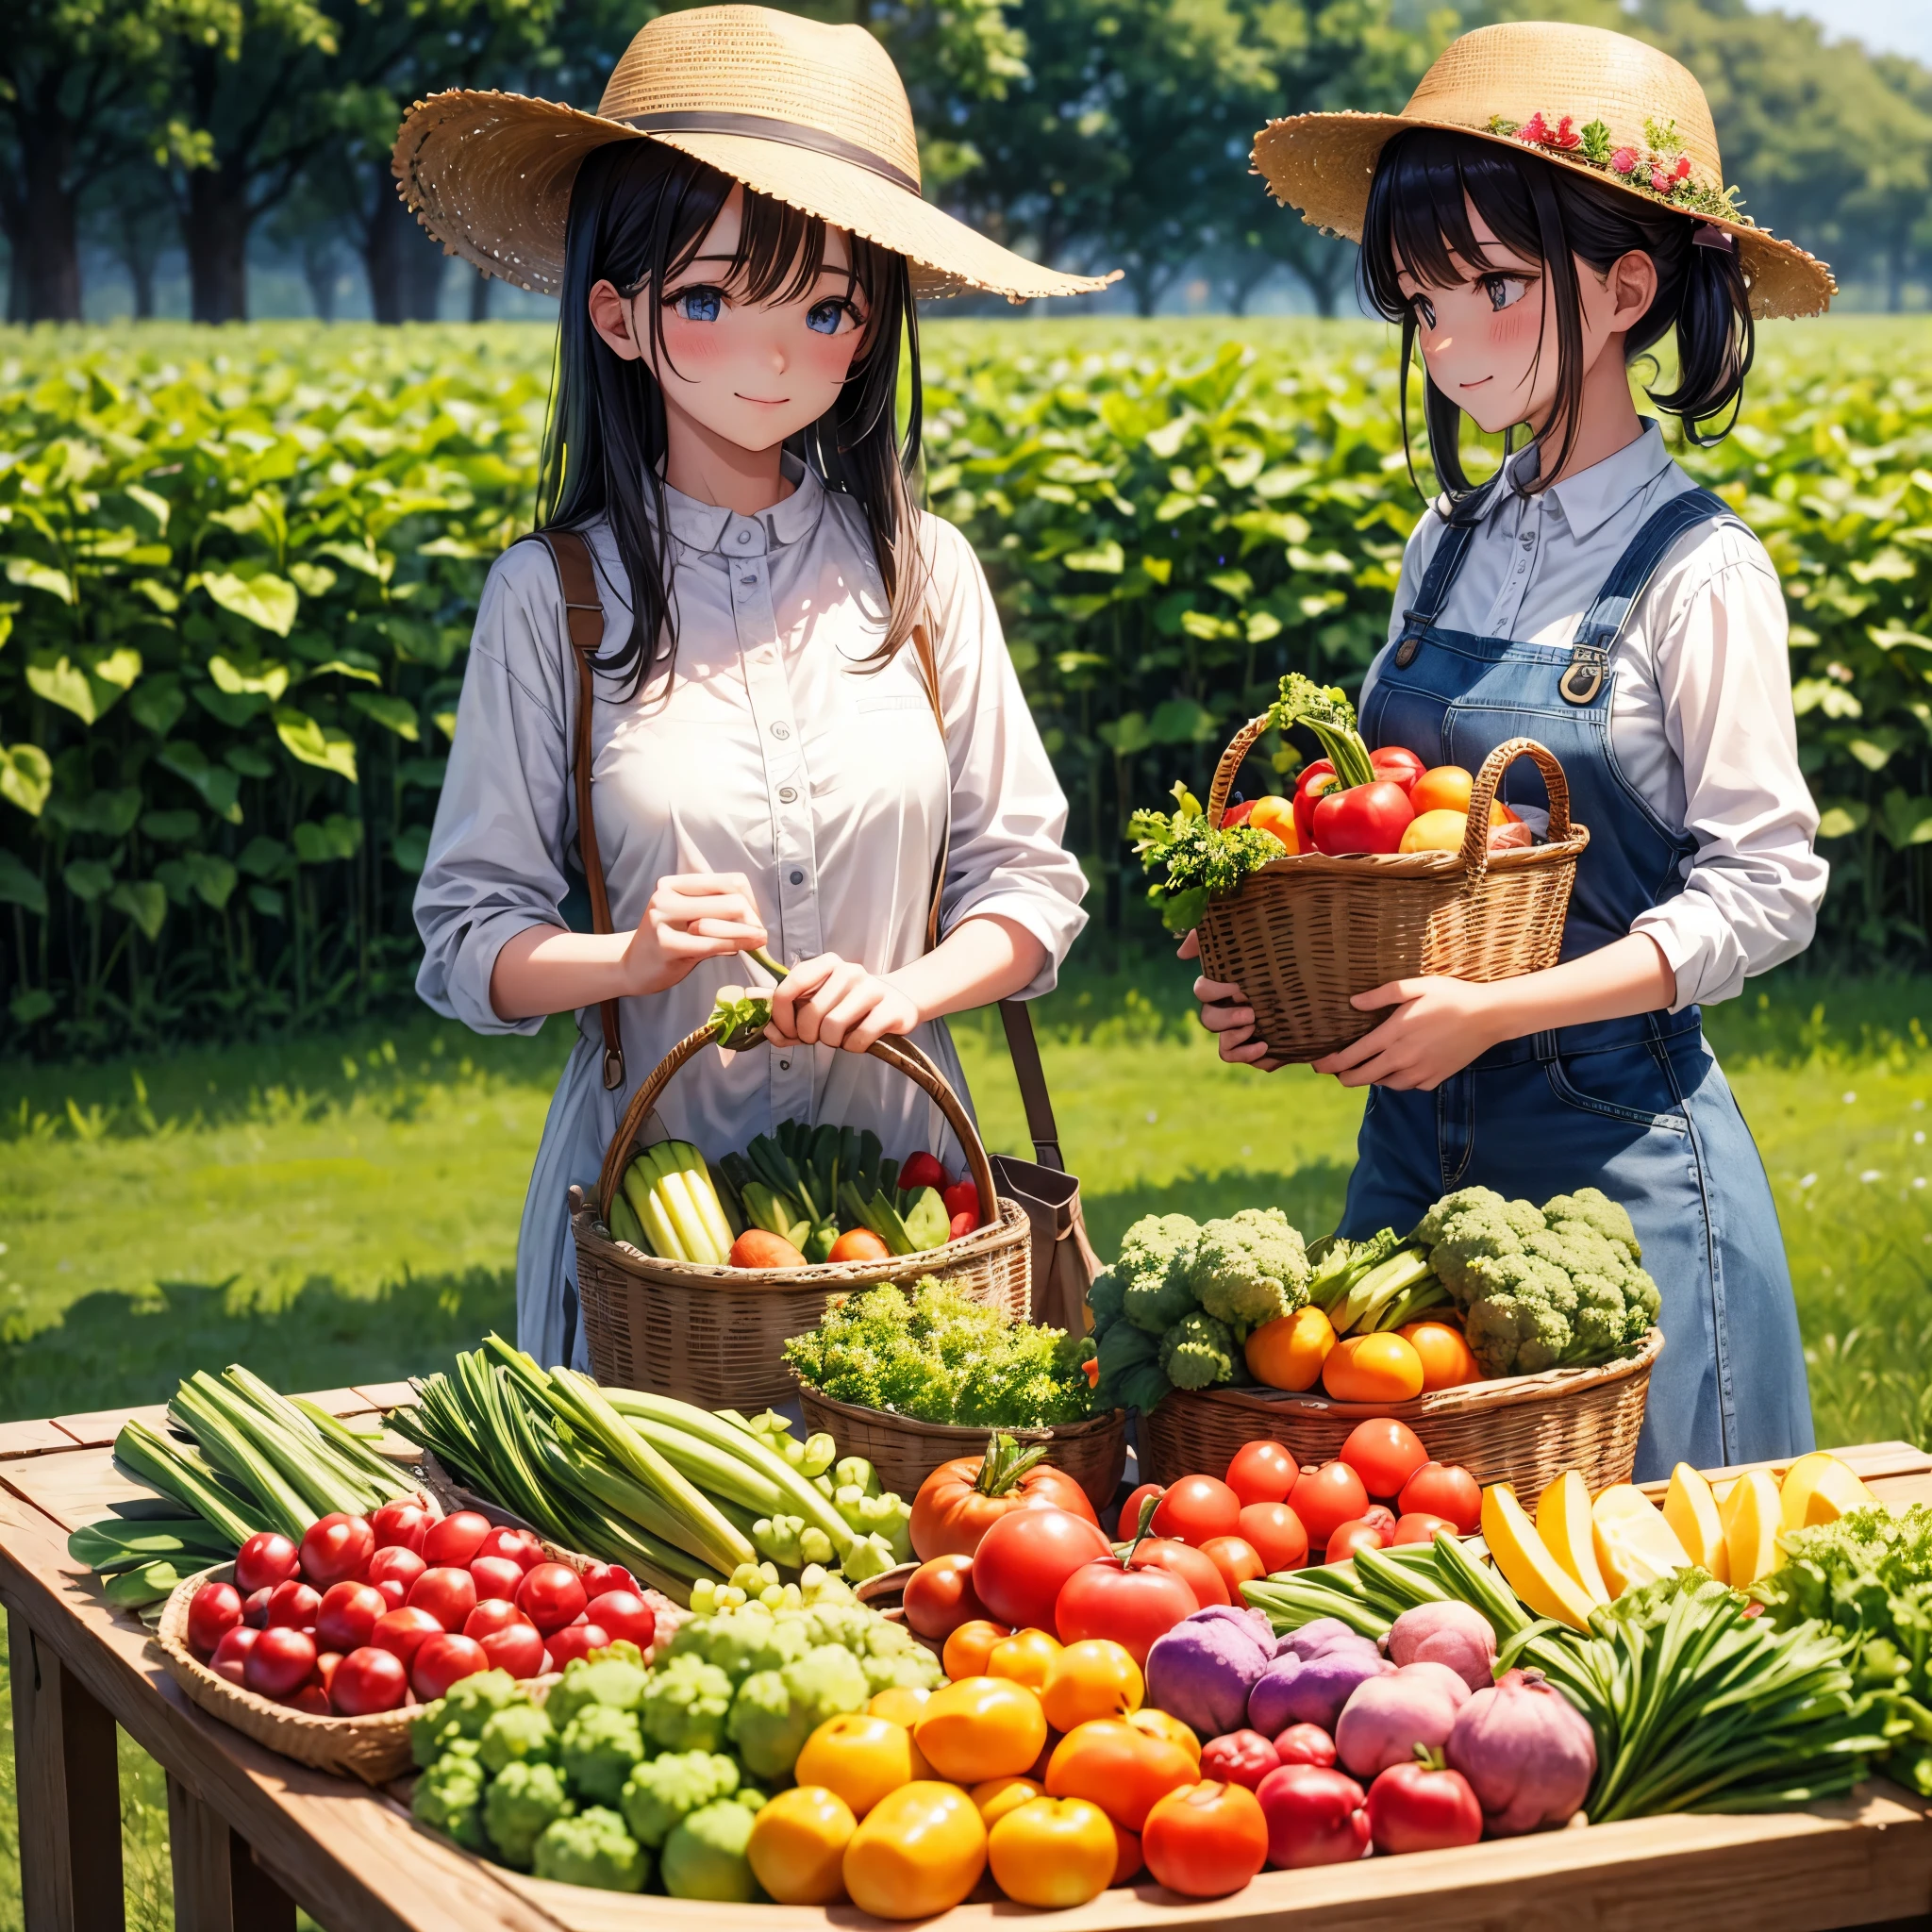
point(449, 1798)
point(1106, 1298)
point(705, 1856)
point(1518, 1320)
point(523, 1799)
point(1249, 1269)
point(776, 1711)
point(609, 1680)
point(1595, 1209)
point(592, 1848)
point(598, 1747)
point(471, 1703)
point(1156, 1255)
point(659, 1793)
point(517, 1730)
point(685, 1706)
point(1198, 1351)
point(1470, 1225)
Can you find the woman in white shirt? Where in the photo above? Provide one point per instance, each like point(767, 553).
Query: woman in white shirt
point(1535, 221)
point(772, 767)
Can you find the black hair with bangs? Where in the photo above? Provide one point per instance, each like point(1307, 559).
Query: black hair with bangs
point(1426, 181)
point(639, 213)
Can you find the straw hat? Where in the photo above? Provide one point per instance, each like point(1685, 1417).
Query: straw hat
point(810, 115)
point(1580, 98)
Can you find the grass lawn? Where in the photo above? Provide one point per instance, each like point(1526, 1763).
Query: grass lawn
point(345, 1208)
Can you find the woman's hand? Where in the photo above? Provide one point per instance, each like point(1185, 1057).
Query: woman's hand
point(1226, 1015)
point(833, 1002)
point(691, 916)
point(1440, 1025)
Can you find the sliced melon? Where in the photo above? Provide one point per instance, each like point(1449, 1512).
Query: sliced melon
point(1562, 1520)
point(1691, 1511)
point(1634, 1544)
point(1527, 1566)
point(1820, 1489)
point(1753, 1516)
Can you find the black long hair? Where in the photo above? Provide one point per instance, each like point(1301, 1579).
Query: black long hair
point(639, 213)
point(1424, 185)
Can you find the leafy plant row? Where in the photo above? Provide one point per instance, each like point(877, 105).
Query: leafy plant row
point(240, 569)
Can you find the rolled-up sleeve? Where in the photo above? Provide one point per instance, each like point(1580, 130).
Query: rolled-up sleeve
point(1752, 894)
point(496, 854)
point(1008, 814)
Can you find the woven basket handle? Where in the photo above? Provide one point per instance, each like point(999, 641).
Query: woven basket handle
point(1482, 793)
point(902, 1055)
point(1231, 761)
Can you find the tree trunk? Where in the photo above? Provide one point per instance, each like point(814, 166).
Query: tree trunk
point(384, 235)
point(479, 298)
point(216, 235)
point(423, 263)
point(319, 272)
point(52, 229)
point(136, 245)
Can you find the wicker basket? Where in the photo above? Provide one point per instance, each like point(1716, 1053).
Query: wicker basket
point(374, 1748)
point(716, 1335)
point(1306, 932)
point(904, 1451)
point(1522, 1430)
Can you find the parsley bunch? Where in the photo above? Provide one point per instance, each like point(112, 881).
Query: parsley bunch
point(1202, 862)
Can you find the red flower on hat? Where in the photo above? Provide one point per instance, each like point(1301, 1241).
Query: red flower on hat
point(1682, 170)
point(1625, 160)
point(1535, 130)
point(1566, 135)
point(1660, 182)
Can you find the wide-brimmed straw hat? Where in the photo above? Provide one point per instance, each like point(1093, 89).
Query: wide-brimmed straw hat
point(813, 115)
point(1579, 97)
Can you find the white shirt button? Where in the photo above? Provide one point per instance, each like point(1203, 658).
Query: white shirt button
point(781, 731)
point(787, 794)
point(745, 536)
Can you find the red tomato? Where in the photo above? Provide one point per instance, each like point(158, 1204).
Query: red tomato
point(1206, 1840)
point(627, 1617)
point(404, 1631)
point(448, 1594)
point(441, 1660)
point(311, 1699)
point(1314, 782)
point(518, 1545)
point(1315, 1817)
point(495, 1576)
point(1305, 1745)
point(951, 1512)
point(1325, 1498)
point(1196, 1509)
point(278, 1663)
point(1275, 1532)
point(264, 1560)
point(1237, 814)
point(1444, 1489)
point(576, 1641)
point(346, 1618)
point(552, 1596)
point(939, 1597)
point(213, 1611)
point(328, 1663)
point(1126, 1853)
point(393, 1570)
point(1398, 765)
point(1131, 1606)
point(963, 1223)
point(1351, 1536)
point(1421, 1529)
point(454, 1539)
point(490, 1616)
point(922, 1170)
point(1362, 818)
point(254, 1608)
point(516, 1648)
point(369, 1680)
point(1414, 1809)
point(1196, 1571)
point(1263, 1471)
point(231, 1653)
point(401, 1526)
point(1237, 1559)
point(1241, 1758)
point(1024, 1556)
point(1385, 1454)
point(601, 1578)
point(1130, 1510)
point(291, 1606)
point(336, 1549)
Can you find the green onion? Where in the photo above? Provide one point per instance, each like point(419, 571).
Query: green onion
point(190, 1481)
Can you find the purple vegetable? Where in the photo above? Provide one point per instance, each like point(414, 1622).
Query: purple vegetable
point(1447, 1633)
point(1385, 1718)
point(1528, 1752)
point(1200, 1671)
point(1293, 1690)
point(1324, 1634)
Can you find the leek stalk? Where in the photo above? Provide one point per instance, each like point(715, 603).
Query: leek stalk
point(158, 1461)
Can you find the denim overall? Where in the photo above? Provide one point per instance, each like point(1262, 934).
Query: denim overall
point(1638, 1107)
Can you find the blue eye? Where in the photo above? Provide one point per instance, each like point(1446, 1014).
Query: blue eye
point(698, 305)
point(823, 318)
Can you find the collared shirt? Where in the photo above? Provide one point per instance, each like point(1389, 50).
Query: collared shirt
point(1701, 720)
point(768, 746)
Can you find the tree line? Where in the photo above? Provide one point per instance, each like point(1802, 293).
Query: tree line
point(1091, 133)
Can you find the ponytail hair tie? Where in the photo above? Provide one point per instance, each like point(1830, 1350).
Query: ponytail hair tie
point(1706, 235)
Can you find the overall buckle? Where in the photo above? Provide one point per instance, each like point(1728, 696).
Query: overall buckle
point(1584, 675)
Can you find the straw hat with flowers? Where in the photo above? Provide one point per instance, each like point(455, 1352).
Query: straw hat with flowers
point(810, 115)
point(1579, 97)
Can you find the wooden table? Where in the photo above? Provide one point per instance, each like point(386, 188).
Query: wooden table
point(252, 1833)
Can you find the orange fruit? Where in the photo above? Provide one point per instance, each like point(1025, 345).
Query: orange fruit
point(1445, 1357)
point(1446, 788)
point(1440, 830)
point(1373, 1367)
point(1288, 1353)
point(858, 1245)
point(1275, 815)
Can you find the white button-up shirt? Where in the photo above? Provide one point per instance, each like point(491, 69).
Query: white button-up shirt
point(768, 746)
point(1701, 718)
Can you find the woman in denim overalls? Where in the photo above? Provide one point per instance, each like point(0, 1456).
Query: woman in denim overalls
point(1592, 597)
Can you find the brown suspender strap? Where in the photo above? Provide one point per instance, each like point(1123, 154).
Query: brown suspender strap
point(1014, 1014)
point(583, 609)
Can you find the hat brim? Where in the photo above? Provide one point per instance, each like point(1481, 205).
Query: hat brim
point(1322, 164)
point(489, 176)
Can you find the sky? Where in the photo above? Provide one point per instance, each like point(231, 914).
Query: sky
point(1886, 26)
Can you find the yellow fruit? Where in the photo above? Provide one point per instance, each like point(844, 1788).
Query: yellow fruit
point(797, 1846)
point(1436, 831)
point(860, 1758)
point(1691, 1511)
point(996, 1796)
point(1562, 1520)
point(1820, 1489)
point(1634, 1544)
point(901, 1703)
point(1526, 1564)
point(916, 1854)
point(1752, 1515)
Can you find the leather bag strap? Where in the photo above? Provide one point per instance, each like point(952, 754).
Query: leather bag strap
point(583, 612)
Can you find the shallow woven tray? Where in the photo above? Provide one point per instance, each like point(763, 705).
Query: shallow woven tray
point(1523, 1430)
point(906, 1451)
point(1306, 932)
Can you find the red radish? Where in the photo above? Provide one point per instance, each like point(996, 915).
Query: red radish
point(336, 1549)
point(393, 1570)
point(347, 1616)
point(601, 1578)
point(552, 1596)
point(448, 1594)
point(923, 1171)
point(401, 1526)
point(457, 1538)
point(576, 1641)
point(625, 1615)
point(403, 1632)
point(519, 1546)
point(515, 1648)
point(369, 1680)
point(293, 1605)
point(441, 1660)
point(278, 1663)
point(213, 1611)
point(264, 1560)
point(231, 1653)
point(495, 1576)
point(255, 1609)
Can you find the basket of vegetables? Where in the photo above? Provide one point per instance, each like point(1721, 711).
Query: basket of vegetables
point(1305, 905)
point(688, 1284)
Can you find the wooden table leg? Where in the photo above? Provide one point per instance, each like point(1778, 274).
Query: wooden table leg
point(70, 1795)
point(218, 1886)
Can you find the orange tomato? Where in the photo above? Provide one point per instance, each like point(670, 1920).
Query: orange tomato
point(1119, 1767)
point(1093, 1678)
point(860, 1758)
point(1208, 1841)
point(1373, 1367)
point(797, 1846)
point(1053, 1852)
point(1288, 1353)
point(969, 1646)
point(916, 1854)
point(980, 1727)
point(1167, 1728)
point(1026, 1657)
point(996, 1796)
point(858, 1245)
point(1445, 1357)
point(1275, 815)
point(1126, 1850)
point(901, 1703)
point(1237, 1559)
